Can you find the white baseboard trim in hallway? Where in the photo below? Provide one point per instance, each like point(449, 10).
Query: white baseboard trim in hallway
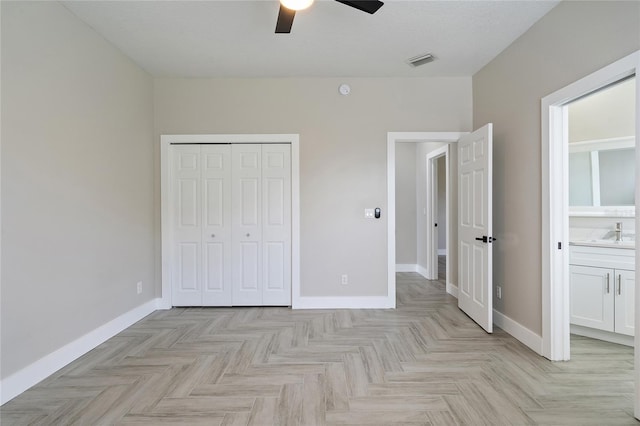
point(530, 339)
point(31, 375)
point(452, 290)
point(527, 337)
point(422, 271)
point(406, 267)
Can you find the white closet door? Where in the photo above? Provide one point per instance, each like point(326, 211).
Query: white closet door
point(216, 225)
point(187, 231)
point(247, 224)
point(276, 224)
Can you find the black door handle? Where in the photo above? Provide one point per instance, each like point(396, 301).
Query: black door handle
point(486, 239)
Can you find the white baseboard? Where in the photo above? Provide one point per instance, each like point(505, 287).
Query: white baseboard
point(365, 302)
point(452, 290)
point(31, 375)
point(520, 332)
point(442, 252)
point(422, 271)
point(406, 267)
point(409, 267)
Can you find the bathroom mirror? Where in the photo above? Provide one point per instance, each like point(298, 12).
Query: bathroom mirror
point(602, 177)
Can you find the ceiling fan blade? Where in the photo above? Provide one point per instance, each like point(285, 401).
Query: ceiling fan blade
point(285, 20)
point(369, 6)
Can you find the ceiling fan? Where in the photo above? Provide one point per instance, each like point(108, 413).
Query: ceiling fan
point(288, 10)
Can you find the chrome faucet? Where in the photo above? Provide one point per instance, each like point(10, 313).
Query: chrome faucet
point(618, 231)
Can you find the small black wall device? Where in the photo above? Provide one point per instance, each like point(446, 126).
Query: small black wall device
point(376, 212)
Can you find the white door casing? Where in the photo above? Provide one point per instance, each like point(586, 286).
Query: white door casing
point(475, 292)
point(197, 193)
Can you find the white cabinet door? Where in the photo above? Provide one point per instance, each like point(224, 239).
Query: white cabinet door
point(276, 224)
point(592, 297)
point(625, 302)
point(247, 224)
point(216, 225)
point(186, 224)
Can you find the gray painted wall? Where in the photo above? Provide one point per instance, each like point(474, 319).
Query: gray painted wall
point(77, 182)
point(571, 41)
point(343, 154)
point(406, 203)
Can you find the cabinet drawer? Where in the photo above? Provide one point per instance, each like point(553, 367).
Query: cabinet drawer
point(602, 257)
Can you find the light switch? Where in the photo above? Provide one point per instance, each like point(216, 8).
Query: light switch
point(368, 213)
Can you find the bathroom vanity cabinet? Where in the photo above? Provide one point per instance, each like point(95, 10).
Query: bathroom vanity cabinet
point(602, 288)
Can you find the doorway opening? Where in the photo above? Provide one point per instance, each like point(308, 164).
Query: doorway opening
point(555, 202)
point(601, 164)
point(414, 248)
point(555, 228)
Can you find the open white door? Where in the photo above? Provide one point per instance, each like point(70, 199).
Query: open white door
point(475, 168)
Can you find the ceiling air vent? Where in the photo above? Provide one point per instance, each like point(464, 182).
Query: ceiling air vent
point(416, 61)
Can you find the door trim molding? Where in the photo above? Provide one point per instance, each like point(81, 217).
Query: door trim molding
point(392, 139)
point(167, 140)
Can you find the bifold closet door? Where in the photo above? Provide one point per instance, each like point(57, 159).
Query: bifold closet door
point(216, 225)
point(231, 224)
point(201, 212)
point(261, 241)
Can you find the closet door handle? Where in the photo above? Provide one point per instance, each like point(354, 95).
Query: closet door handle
point(608, 283)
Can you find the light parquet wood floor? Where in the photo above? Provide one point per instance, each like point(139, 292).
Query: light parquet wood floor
point(423, 363)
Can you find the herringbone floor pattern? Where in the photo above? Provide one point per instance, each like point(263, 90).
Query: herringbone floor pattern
point(423, 363)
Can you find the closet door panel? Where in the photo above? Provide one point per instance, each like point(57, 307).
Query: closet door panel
point(186, 218)
point(276, 224)
point(247, 224)
point(216, 229)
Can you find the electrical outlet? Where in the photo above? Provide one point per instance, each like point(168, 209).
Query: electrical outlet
point(139, 287)
point(368, 214)
point(499, 292)
point(345, 279)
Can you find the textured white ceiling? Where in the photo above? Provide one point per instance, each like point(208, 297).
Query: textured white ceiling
point(236, 38)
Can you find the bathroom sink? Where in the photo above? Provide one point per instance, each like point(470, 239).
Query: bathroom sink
point(627, 244)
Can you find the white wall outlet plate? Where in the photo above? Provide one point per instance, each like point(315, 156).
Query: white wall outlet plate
point(368, 213)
